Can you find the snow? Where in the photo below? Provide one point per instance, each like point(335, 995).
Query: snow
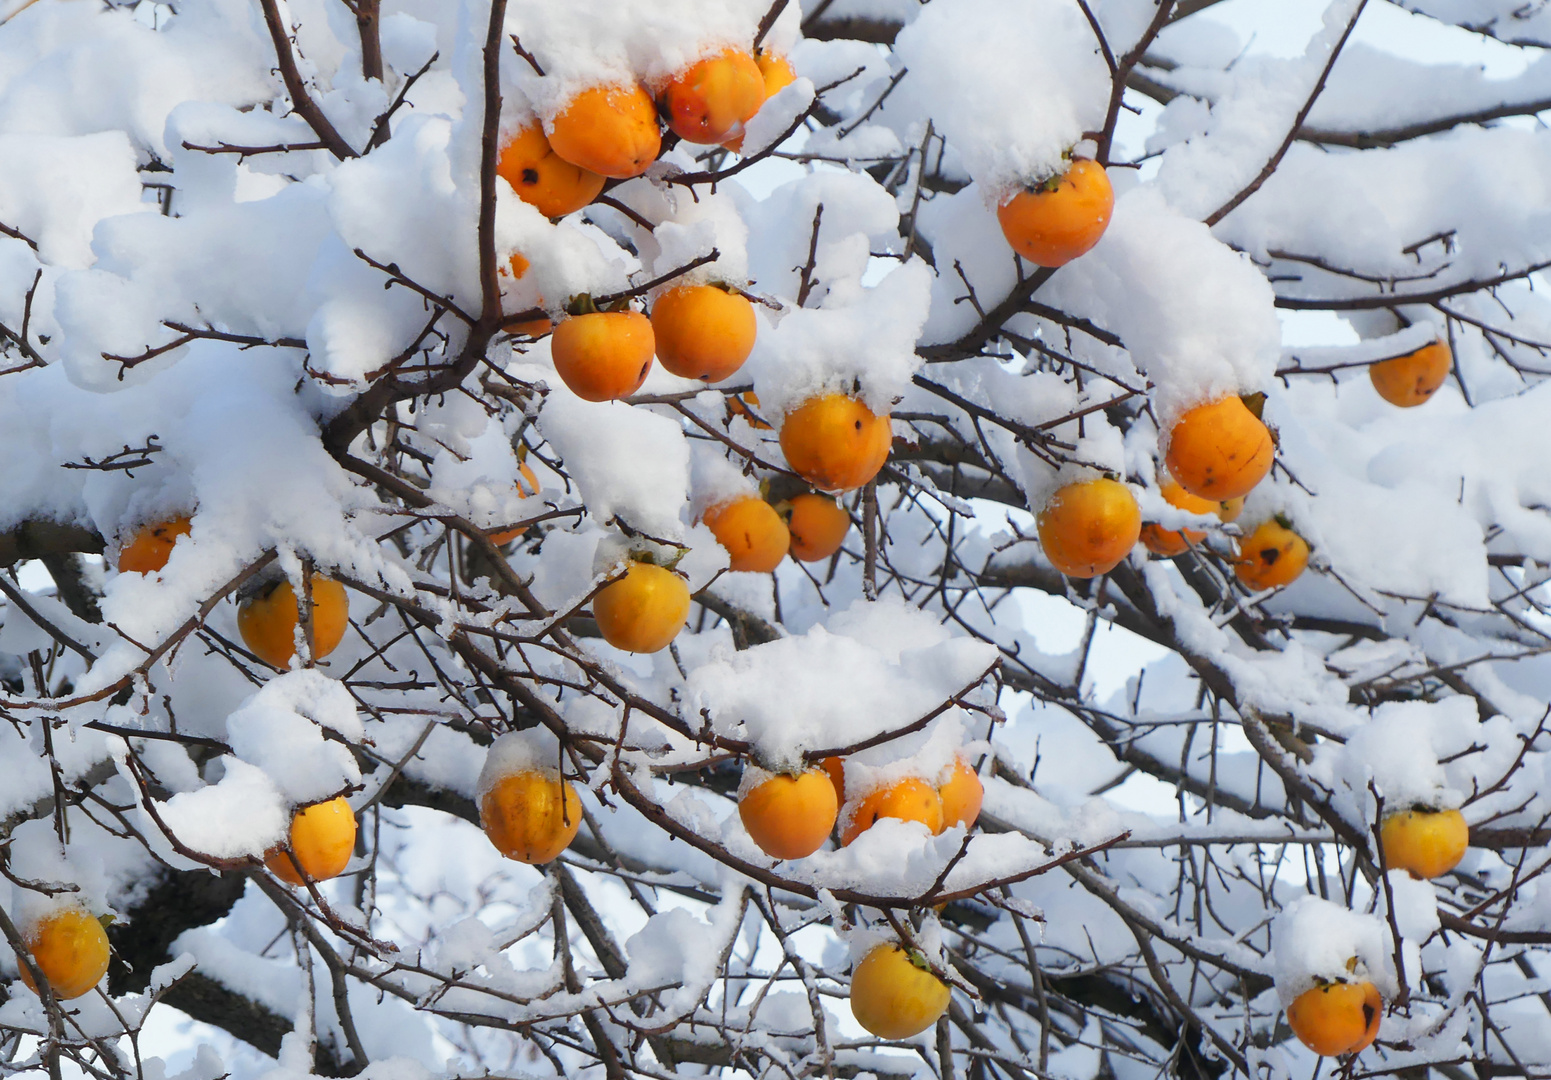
point(1315, 939)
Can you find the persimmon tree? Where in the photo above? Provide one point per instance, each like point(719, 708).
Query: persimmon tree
point(277, 280)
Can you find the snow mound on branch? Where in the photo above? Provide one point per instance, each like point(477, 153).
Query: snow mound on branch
point(1011, 84)
point(1399, 751)
point(1198, 318)
point(627, 462)
point(55, 189)
point(877, 667)
point(280, 730)
point(862, 345)
point(1313, 939)
point(243, 813)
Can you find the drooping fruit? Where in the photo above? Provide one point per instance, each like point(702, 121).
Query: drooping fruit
point(267, 620)
point(151, 546)
point(644, 610)
point(531, 816)
point(542, 178)
point(1061, 219)
point(1337, 1018)
point(778, 74)
point(712, 99)
point(961, 794)
point(1220, 450)
point(1428, 843)
point(788, 816)
point(1409, 380)
point(70, 949)
point(322, 840)
point(818, 525)
point(1087, 528)
point(1270, 556)
point(1171, 542)
point(910, 799)
point(895, 996)
point(835, 442)
point(609, 130)
point(603, 355)
point(754, 535)
point(703, 332)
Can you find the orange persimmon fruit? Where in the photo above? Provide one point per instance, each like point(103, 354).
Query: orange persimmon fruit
point(267, 620)
point(151, 546)
point(322, 839)
point(1408, 381)
point(711, 100)
point(744, 405)
point(835, 442)
point(778, 74)
point(1220, 450)
point(961, 795)
point(1088, 527)
point(703, 331)
point(609, 130)
point(894, 995)
point(644, 610)
point(1171, 542)
point(533, 328)
point(531, 816)
point(1337, 1018)
point(542, 178)
point(790, 816)
point(818, 525)
point(751, 531)
point(527, 485)
point(1427, 843)
point(1062, 218)
point(71, 950)
point(910, 799)
point(603, 355)
point(1270, 556)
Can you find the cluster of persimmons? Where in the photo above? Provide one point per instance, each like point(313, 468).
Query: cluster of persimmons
point(1216, 453)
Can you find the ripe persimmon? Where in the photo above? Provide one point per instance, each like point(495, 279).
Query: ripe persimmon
point(527, 485)
point(961, 795)
point(744, 405)
point(1410, 380)
point(531, 816)
point(1337, 1017)
point(609, 130)
point(778, 74)
point(533, 328)
point(835, 769)
point(909, 799)
point(322, 840)
point(894, 994)
point(603, 355)
point(1220, 450)
point(703, 331)
point(835, 442)
point(151, 546)
point(753, 533)
point(267, 620)
point(1171, 542)
point(818, 525)
point(790, 816)
point(1052, 224)
point(1428, 843)
point(70, 949)
point(1086, 528)
point(1230, 509)
point(710, 100)
point(1272, 555)
point(542, 178)
point(644, 610)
